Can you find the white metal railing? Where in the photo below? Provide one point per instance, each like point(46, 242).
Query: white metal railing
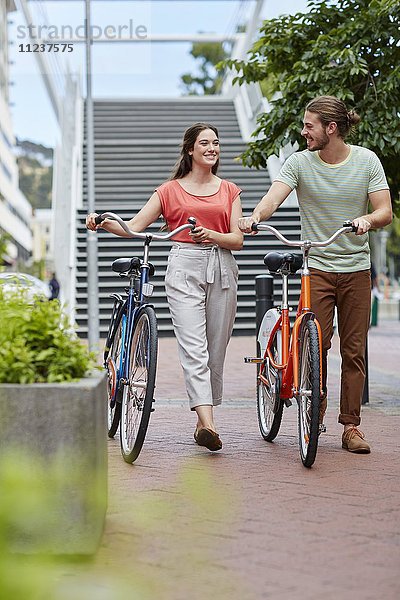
point(67, 191)
point(249, 101)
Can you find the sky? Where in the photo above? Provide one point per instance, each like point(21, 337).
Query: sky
point(139, 69)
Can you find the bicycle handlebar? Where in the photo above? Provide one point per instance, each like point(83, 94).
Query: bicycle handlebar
point(154, 236)
point(347, 228)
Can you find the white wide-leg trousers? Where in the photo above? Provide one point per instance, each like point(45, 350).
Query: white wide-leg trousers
point(201, 286)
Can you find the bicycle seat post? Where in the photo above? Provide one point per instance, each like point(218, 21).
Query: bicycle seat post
point(305, 302)
point(285, 297)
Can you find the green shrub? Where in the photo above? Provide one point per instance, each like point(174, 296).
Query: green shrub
point(37, 344)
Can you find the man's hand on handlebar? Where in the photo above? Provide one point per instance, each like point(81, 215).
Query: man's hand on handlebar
point(245, 224)
point(362, 224)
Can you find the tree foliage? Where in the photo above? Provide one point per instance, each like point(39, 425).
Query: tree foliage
point(208, 81)
point(35, 172)
point(347, 48)
point(35, 181)
point(5, 238)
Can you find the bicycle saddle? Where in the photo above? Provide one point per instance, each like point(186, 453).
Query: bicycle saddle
point(125, 265)
point(278, 261)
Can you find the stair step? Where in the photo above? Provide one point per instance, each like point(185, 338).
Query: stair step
point(136, 145)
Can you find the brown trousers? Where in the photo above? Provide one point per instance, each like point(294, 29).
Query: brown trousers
point(351, 294)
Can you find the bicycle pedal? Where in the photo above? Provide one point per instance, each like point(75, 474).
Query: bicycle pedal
point(253, 360)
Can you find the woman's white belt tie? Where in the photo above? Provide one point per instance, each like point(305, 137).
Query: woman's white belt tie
point(214, 253)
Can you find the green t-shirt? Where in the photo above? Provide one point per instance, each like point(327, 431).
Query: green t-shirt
point(329, 195)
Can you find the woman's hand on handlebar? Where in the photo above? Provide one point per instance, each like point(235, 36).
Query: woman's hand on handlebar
point(91, 223)
point(200, 234)
point(245, 224)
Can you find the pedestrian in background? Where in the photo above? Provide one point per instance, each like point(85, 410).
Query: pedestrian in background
point(54, 287)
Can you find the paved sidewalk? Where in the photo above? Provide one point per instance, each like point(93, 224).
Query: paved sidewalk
point(251, 522)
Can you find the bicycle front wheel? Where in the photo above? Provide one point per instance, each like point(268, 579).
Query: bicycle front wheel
point(113, 363)
point(269, 404)
point(309, 393)
point(138, 392)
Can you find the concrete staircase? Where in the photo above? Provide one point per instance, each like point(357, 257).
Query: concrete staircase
point(136, 145)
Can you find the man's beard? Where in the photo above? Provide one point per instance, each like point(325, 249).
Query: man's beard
point(319, 143)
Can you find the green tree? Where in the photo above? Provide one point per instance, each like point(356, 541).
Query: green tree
point(393, 245)
point(208, 81)
point(35, 181)
point(4, 239)
point(347, 48)
point(35, 172)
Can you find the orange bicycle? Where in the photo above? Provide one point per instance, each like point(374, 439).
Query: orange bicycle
point(289, 359)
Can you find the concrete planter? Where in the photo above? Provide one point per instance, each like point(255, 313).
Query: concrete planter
point(62, 426)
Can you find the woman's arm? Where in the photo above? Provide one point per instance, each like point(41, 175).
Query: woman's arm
point(232, 240)
point(145, 217)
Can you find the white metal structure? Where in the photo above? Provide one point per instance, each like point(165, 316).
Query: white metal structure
point(67, 103)
point(68, 107)
point(67, 191)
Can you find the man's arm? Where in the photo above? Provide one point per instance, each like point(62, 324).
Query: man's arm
point(277, 193)
point(381, 214)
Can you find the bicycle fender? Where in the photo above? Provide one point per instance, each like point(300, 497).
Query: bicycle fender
point(267, 324)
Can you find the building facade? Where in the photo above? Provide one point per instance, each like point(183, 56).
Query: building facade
point(42, 249)
point(15, 210)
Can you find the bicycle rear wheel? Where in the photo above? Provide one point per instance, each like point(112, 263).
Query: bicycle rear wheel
point(309, 393)
point(113, 362)
point(269, 404)
point(138, 393)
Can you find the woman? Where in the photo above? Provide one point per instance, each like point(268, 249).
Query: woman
point(201, 277)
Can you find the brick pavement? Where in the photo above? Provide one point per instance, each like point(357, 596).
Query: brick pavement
point(251, 522)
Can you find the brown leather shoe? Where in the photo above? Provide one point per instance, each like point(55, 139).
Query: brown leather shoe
point(208, 438)
point(353, 441)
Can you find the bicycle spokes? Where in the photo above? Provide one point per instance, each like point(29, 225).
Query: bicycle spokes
point(136, 388)
point(308, 396)
point(139, 388)
point(269, 404)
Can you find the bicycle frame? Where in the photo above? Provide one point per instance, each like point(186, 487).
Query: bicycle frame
point(289, 367)
point(290, 340)
point(137, 299)
point(128, 309)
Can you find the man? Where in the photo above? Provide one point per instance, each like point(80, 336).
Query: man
point(54, 287)
point(334, 183)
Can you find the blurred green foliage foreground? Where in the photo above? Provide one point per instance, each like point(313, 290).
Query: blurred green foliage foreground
point(143, 566)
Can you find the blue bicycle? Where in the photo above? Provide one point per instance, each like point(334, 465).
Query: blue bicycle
point(130, 354)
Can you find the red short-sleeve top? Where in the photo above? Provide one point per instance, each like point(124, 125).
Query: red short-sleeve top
point(213, 211)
